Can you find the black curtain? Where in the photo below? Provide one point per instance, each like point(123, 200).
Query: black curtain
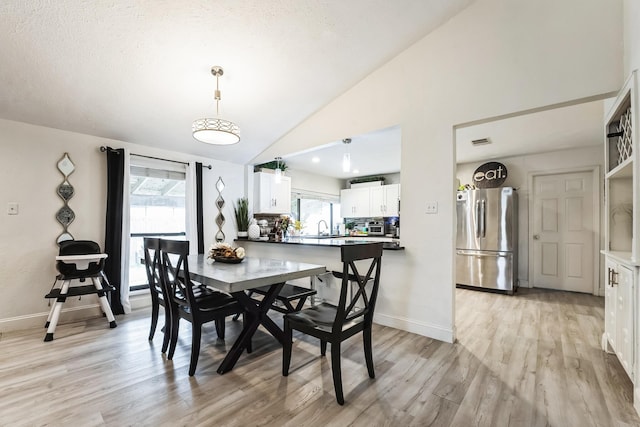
point(113, 230)
point(199, 210)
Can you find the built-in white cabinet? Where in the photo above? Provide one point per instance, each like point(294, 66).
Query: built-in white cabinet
point(619, 308)
point(624, 277)
point(271, 197)
point(354, 202)
point(384, 200)
point(622, 240)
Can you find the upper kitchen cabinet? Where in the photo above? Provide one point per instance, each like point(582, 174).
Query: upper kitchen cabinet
point(622, 189)
point(355, 202)
point(374, 201)
point(385, 200)
point(271, 197)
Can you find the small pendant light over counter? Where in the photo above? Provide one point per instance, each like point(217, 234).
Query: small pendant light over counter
point(216, 131)
point(346, 157)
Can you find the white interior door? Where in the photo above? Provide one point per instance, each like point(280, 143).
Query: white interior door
point(562, 232)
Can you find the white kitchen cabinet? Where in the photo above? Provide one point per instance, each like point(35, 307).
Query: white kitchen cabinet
point(619, 306)
point(271, 197)
point(385, 200)
point(624, 317)
point(354, 202)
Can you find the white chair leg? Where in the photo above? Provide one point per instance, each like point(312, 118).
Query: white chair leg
point(104, 303)
point(54, 315)
point(53, 306)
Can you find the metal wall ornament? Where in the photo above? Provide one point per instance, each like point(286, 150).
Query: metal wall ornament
point(65, 214)
point(220, 237)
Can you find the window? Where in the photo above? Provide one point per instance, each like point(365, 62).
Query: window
point(157, 209)
point(311, 209)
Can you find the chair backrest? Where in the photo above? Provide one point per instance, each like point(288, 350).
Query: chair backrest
point(175, 272)
point(362, 302)
point(79, 247)
point(152, 262)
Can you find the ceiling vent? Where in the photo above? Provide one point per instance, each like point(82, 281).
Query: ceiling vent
point(482, 141)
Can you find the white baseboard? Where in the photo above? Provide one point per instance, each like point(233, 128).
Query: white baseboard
point(425, 329)
point(140, 300)
point(71, 314)
point(38, 320)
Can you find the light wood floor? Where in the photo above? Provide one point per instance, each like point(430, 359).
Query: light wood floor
point(529, 360)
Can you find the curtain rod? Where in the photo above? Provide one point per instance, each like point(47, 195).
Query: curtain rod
point(103, 149)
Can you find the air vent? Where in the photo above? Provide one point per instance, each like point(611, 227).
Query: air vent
point(483, 141)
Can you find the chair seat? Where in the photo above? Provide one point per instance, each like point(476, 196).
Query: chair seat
point(286, 296)
point(321, 316)
point(209, 299)
point(288, 292)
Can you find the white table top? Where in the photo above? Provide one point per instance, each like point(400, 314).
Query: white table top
point(83, 257)
point(250, 273)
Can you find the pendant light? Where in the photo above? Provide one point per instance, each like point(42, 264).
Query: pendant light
point(278, 177)
point(346, 157)
point(216, 131)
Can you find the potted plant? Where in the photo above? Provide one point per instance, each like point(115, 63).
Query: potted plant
point(271, 166)
point(241, 211)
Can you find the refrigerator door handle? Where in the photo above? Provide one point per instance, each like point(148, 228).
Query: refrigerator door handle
point(477, 219)
point(483, 254)
point(483, 218)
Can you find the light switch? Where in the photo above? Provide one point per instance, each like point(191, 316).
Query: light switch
point(13, 208)
point(432, 208)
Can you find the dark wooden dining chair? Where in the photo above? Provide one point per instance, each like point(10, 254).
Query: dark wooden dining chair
point(152, 261)
point(353, 314)
point(190, 301)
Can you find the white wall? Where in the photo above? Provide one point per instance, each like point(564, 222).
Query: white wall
point(30, 177)
point(496, 57)
point(309, 182)
point(518, 169)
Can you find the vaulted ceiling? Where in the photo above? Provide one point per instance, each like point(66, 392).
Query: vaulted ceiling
point(140, 71)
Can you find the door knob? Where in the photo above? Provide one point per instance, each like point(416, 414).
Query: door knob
point(536, 237)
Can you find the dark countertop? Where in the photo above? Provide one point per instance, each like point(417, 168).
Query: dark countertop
point(331, 242)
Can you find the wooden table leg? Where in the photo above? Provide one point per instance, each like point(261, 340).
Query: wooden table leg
point(257, 315)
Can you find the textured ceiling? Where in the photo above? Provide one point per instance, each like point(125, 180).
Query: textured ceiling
point(139, 71)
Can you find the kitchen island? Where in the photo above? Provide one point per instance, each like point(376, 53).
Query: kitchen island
point(324, 251)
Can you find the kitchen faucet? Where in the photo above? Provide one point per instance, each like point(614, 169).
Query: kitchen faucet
point(325, 225)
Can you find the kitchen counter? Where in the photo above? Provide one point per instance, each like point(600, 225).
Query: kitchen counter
point(328, 241)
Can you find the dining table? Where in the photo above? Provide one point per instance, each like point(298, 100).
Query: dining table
point(251, 272)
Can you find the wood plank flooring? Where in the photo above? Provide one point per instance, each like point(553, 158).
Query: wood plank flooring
point(529, 360)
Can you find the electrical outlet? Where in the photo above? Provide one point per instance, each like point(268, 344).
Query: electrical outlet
point(13, 208)
point(432, 208)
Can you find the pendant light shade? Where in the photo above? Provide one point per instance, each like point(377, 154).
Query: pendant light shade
point(216, 131)
point(346, 157)
point(346, 162)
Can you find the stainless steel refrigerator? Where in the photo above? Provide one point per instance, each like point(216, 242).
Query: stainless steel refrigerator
point(487, 238)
